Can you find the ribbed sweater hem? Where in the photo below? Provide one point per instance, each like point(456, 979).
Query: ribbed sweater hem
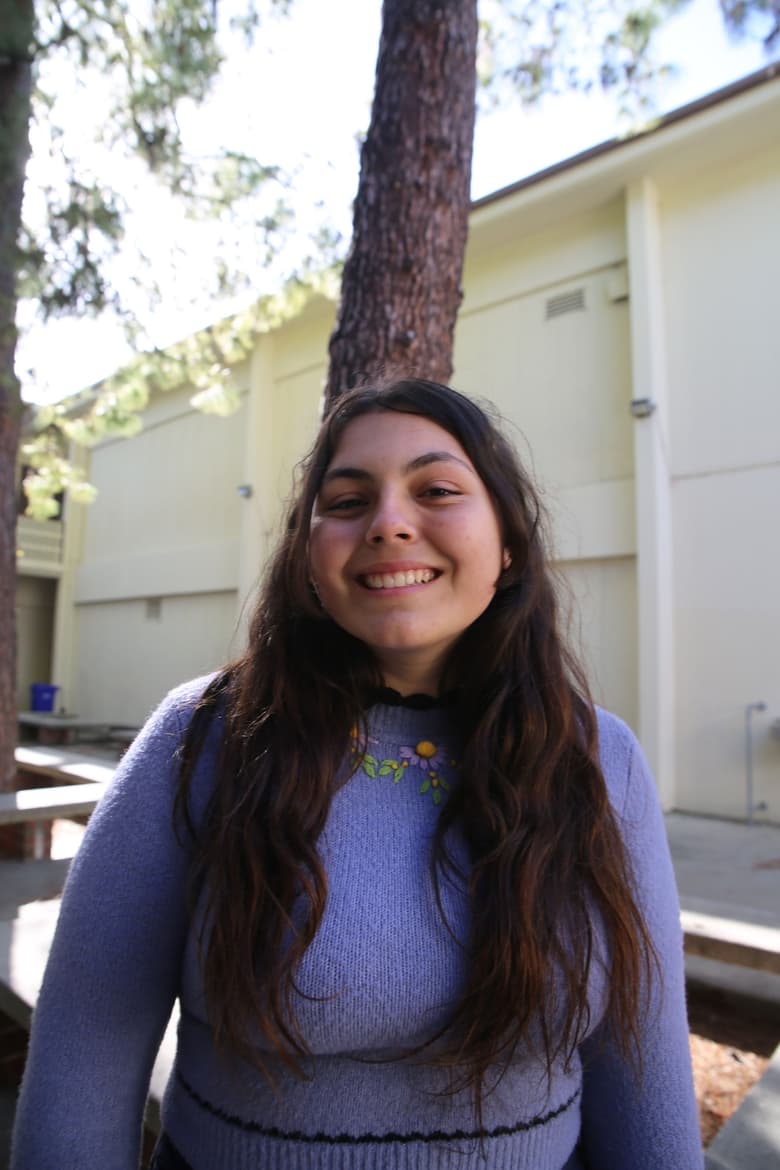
point(535, 1143)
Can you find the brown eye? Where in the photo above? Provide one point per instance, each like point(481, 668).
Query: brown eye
point(345, 505)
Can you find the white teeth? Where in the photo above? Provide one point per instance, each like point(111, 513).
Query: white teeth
point(399, 580)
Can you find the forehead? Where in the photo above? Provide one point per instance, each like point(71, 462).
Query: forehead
point(391, 436)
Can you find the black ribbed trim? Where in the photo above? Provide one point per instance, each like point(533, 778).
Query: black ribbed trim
point(388, 697)
point(342, 1139)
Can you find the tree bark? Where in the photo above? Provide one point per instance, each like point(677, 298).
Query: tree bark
point(16, 29)
point(401, 288)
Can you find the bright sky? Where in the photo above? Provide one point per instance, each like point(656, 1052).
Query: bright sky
point(302, 106)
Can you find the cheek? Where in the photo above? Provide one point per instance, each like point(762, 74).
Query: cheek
point(483, 546)
point(327, 552)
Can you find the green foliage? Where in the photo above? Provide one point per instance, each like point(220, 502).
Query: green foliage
point(65, 270)
point(542, 47)
point(753, 18)
point(51, 474)
point(203, 362)
point(141, 64)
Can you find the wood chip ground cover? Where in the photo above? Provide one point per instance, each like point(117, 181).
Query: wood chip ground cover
point(731, 1040)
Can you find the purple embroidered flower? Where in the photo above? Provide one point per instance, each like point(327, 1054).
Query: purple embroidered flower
point(423, 755)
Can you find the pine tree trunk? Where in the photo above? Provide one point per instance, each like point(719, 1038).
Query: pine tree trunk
point(401, 288)
point(16, 27)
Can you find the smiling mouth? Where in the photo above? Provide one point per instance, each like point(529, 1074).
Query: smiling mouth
point(400, 580)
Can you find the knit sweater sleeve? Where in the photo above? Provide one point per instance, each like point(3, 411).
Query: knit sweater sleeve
point(647, 1121)
point(113, 970)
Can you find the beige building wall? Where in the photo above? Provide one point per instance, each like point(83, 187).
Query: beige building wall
point(167, 517)
point(286, 375)
point(156, 591)
point(132, 651)
point(544, 335)
point(721, 257)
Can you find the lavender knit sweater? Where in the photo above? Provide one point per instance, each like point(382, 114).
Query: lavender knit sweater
point(383, 971)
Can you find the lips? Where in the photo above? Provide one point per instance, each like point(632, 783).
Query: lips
point(400, 579)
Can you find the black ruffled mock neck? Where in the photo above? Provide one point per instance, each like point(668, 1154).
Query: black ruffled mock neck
point(389, 697)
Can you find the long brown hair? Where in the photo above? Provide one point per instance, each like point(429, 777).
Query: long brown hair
point(549, 876)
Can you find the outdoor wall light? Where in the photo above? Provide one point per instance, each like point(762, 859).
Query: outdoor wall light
point(642, 407)
point(245, 490)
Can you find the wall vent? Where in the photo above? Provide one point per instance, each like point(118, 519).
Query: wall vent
point(569, 302)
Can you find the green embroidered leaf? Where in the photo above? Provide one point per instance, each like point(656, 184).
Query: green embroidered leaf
point(387, 767)
point(443, 784)
point(370, 760)
point(436, 796)
point(398, 775)
point(369, 769)
point(425, 786)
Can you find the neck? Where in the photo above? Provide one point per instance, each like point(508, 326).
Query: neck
point(412, 678)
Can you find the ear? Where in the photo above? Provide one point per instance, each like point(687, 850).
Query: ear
point(506, 560)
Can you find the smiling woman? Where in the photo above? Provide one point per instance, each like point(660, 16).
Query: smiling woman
point(412, 890)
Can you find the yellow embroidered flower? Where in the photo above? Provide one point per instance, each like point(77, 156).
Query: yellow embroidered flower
point(426, 749)
point(424, 754)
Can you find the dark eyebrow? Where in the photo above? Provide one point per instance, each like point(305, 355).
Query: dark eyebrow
point(345, 473)
point(437, 457)
point(414, 465)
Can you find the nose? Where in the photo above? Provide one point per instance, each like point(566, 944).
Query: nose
point(390, 522)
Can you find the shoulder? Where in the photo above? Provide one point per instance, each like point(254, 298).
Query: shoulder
point(184, 698)
point(617, 742)
point(626, 773)
point(178, 706)
point(165, 728)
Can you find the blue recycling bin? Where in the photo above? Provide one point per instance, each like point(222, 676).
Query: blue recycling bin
point(42, 696)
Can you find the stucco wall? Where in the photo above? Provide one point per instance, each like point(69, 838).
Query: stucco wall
point(131, 652)
point(167, 515)
point(156, 590)
point(721, 256)
point(563, 384)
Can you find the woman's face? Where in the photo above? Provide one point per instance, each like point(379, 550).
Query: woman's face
point(405, 547)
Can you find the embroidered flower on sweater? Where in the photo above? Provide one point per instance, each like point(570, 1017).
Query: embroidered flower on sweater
point(425, 757)
point(425, 754)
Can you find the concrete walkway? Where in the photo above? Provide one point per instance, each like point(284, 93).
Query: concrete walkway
point(730, 871)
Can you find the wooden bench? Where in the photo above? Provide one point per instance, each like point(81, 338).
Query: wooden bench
point(49, 804)
point(52, 729)
point(26, 815)
point(63, 764)
point(730, 939)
